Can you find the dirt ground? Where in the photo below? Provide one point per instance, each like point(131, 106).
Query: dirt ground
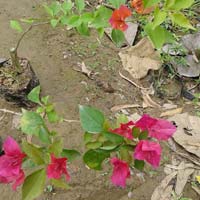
point(45, 47)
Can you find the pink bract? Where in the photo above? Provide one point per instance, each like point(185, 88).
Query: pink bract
point(149, 152)
point(158, 128)
point(118, 17)
point(120, 173)
point(57, 167)
point(11, 163)
point(125, 130)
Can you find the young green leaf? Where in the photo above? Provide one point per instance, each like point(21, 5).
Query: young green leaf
point(60, 184)
point(139, 164)
point(125, 154)
point(83, 29)
point(94, 158)
point(16, 26)
point(54, 22)
point(117, 37)
point(113, 137)
point(44, 135)
point(80, 4)
point(70, 154)
point(34, 185)
point(93, 145)
point(179, 4)
point(67, 6)
point(34, 95)
point(135, 132)
point(92, 120)
point(159, 17)
point(181, 20)
point(48, 10)
point(56, 147)
point(121, 119)
point(88, 137)
point(143, 135)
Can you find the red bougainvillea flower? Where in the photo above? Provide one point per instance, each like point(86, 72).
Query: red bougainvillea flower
point(125, 130)
point(149, 152)
point(121, 172)
point(139, 7)
point(57, 167)
point(118, 17)
point(158, 128)
point(11, 163)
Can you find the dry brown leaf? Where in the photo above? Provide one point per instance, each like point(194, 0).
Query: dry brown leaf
point(139, 59)
point(182, 177)
point(120, 107)
point(84, 70)
point(187, 134)
point(169, 106)
point(171, 112)
point(163, 191)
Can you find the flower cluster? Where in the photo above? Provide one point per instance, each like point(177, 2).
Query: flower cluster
point(11, 165)
point(148, 149)
point(119, 16)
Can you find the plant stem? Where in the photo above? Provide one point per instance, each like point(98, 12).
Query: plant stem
point(13, 51)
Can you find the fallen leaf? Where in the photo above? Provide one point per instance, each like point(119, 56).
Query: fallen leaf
point(187, 134)
point(120, 107)
point(164, 190)
point(169, 106)
point(84, 70)
point(139, 59)
point(198, 179)
point(171, 112)
point(131, 33)
point(182, 178)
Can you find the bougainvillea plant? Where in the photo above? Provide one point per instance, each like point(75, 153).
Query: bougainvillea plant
point(126, 144)
point(35, 164)
point(159, 15)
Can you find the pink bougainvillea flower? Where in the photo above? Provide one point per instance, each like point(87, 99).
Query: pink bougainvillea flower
point(118, 17)
point(11, 163)
point(121, 172)
point(57, 167)
point(125, 130)
point(158, 128)
point(149, 152)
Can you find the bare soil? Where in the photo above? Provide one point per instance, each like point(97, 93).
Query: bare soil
point(45, 48)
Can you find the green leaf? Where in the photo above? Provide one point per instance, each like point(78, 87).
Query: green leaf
point(125, 154)
point(117, 3)
point(48, 10)
point(34, 95)
point(56, 147)
point(28, 164)
point(55, 7)
point(159, 17)
point(88, 137)
point(53, 116)
point(60, 184)
point(135, 132)
point(87, 17)
point(44, 135)
point(143, 135)
point(28, 21)
point(121, 119)
point(92, 120)
point(181, 20)
point(94, 158)
point(109, 146)
point(100, 32)
point(67, 6)
point(34, 185)
point(159, 36)
point(101, 17)
point(70, 154)
point(113, 137)
point(179, 4)
point(139, 164)
point(93, 145)
point(83, 29)
point(80, 5)
point(33, 152)
point(54, 22)
point(16, 26)
point(45, 100)
point(31, 123)
point(73, 21)
point(149, 3)
point(117, 37)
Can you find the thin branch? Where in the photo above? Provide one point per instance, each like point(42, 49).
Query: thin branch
point(71, 121)
point(133, 83)
point(10, 112)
